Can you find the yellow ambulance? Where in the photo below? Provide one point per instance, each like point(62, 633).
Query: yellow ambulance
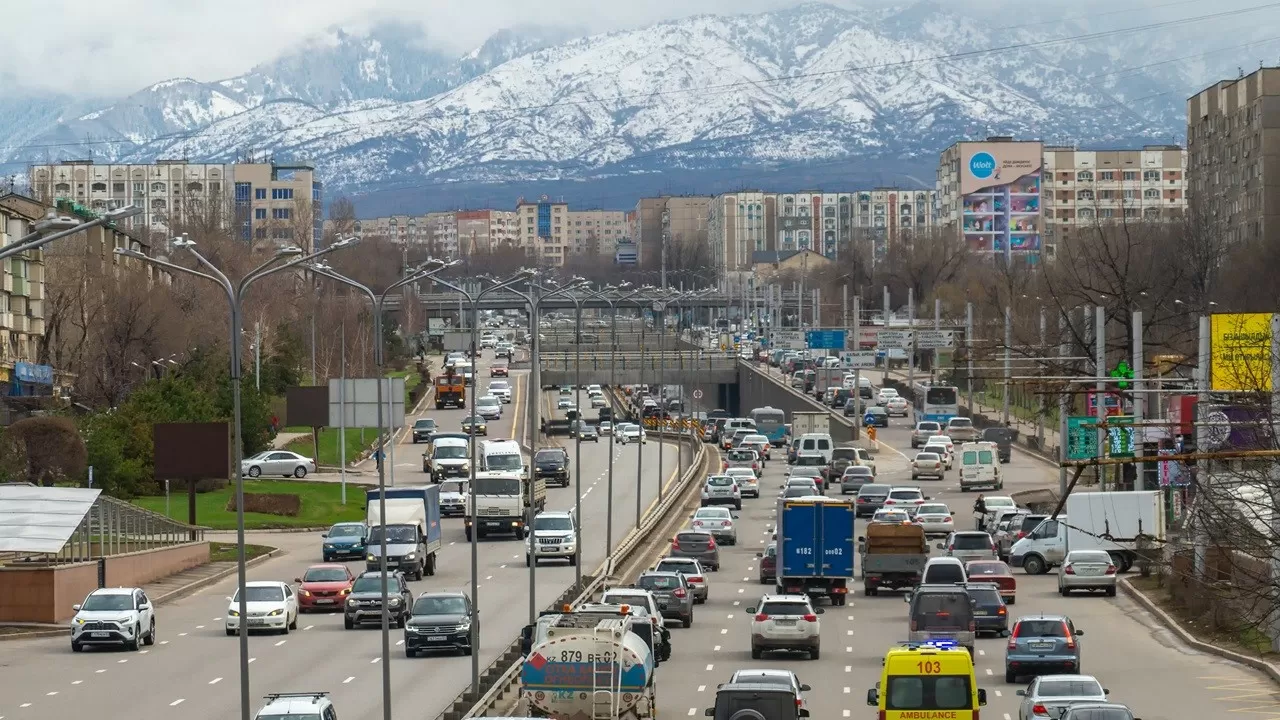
point(927, 681)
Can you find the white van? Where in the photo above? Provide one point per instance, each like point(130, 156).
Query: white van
point(816, 442)
point(979, 466)
point(503, 456)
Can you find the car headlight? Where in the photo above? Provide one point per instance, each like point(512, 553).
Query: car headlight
point(78, 621)
point(351, 602)
point(276, 613)
point(345, 591)
point(464, 626)
point(410, 556)
point(304, 593)
point(233, 613)
point(328, 546)
point(371, 558)
point(394, 600)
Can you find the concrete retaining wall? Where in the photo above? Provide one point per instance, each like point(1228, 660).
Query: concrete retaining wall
point(760, 390)
point(45, 593)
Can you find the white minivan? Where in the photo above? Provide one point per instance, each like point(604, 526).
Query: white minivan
point(816, 442)
point(979, 466)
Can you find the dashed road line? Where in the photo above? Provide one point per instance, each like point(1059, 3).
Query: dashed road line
point(177, 702)
point(278, 644)
point(76, 682)
point(199, 627)
point(308, 627)
point(375, 661)
point(51, 693)
point(980, 652)
point(716, 649)
point(182, 634)
point(848, 648)
point(989, 671)
point(100, 671)
point(848, 632)
point(25, 705)
point(348, 680)
point(710, 667)
point(122, 661)
point(693, 711)
point(252, 659)
point(215, 681)
point(702, 688)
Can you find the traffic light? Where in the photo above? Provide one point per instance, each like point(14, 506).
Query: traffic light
point(1122, 374)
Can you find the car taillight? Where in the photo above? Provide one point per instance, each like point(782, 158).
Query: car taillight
point(1001, 611)
point(1071, 641)
point(811, 618)
point(1111, 569)
point(1039, 709)
point(725, 465)
point(913, 626)
point(728, 523)
point(799, 702)
point(675, 545)
point(697, 523)
point(1068, 570)
point(711, 544)
point(761, 617)
point(946, 519)
point(755, 466)
point(679, 592)
point(890, 501)
point(696, 579)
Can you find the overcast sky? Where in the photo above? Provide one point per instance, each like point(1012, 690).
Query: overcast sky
point(91, 47)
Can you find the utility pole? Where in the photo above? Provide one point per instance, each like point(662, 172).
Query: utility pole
point(884, 309)
point(1199, 541)
point(1044, 400)
point(1139, 403)
point(911, 352)
point(1100, 387)
point(1008, 363)
point(1064, 401)
point(937, 326)
point(857, 372)
point(968, 346)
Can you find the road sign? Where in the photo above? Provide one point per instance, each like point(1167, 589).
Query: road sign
point(935, 339)
point(859, 359)
point(697, 394)
point(1082, 442)
point(900, 339)
point(1120, 436)
point(785, 337)
point(826, 339)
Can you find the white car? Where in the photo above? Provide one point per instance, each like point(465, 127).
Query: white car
point(941, 451)
point(936, 519)
point(907, 499)
point(721, 490)
point(605, 427)
point(598, 401)
point(566, 403)
point(114, 616)
point(284, 463)
point(272, 605)
point(883, 396)
point(635, 597)
point(944, 440)
point(748, 483)
point(489, 407)
point(595, 390)
point(282, 706)
point(997, 506)
point(897, 406)
point(500, 389)
point(891, 515)
point(718, 521)
point(761, 444)
point(785, 622)
point(630, 432)
point(488, 341)
point(554, 537)
point(928, 464)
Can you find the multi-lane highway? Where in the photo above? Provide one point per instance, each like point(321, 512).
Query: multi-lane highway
point(1139, 661)
point(192, 672)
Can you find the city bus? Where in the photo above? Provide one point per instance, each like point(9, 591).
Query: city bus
point(938, 403)
point(772, 423)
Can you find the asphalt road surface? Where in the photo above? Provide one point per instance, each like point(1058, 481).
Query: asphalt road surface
point(1140, 662)
point(192, 672)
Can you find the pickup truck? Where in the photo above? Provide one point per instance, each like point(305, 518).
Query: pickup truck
point(893, 556)
point(960, 430)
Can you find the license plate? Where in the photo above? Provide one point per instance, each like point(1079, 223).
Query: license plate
point(1041, 646)
point(1090, 571)
point(324, 601)
point(980, 613)
point(492, 523)
point(435, 638)
point(257, 621)
point(786, 622)
point(100, 635)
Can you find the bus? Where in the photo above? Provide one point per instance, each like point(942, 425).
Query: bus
point(772, 423)
point(938, 403)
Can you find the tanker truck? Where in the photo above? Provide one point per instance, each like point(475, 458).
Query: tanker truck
point(595, 664)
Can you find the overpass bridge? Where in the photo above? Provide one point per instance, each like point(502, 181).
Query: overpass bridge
point(448, 302)
point(684, 367)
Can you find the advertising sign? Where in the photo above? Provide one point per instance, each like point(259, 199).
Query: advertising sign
point(435, 327)
point(867, 337)
point(1120, 436)
point(935, 339)
point(899, 339)
point(1240, 351)
point(1172, 473)
point(1231, 427)
point(858, 359)
point(826, 339)
point(1082, 441)
point(1110, 403)
point(1000, 196)
point(35, 374)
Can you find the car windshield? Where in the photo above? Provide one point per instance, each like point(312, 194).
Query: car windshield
point(1089, 557)
point(372, 583)
point(985, 595)
point(971, 542)
point(260, 594)
point(1069, 688)
point(935, 509)
point(659, 582)
point(451, 452)
point(928, 692)
point(555, 522)
point(720, 481)
point(928, 427)
point(911, 494)
point(742, 455)
point(1040, 628)
point(987, 568)
point(453, 486)
point(844, 454)
point(325, 574)
point(995, 502)
point(476, 419)
point(677, 566)
point(113, 601)
point(785, 607)
point(443, 605)
point(487, 400)
point(500, 462)
point(715, 513)
point(862, 470)
point(762, 677)
point(875, 411)
point(290, 716)
point(395, 533)
point(497, 486)
point(941, 610)
point(961, 423)
point(929, 457)
point(424, 424)
point(546, 456)
point(811, 460)
point(874, 489)
point(346, 531)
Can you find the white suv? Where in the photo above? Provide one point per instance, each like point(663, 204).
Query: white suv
point(785, 622)
point(114, 616)
point(552, 537)
point(312, 705)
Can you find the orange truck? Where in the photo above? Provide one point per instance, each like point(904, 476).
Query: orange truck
point(451, 391)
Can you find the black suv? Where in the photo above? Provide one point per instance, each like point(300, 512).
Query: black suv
point(364, 604)
point(553, 465)
point(422, 429)
point(756, 701)
point(439, 621)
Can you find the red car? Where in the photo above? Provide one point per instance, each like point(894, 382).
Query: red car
point(324, 587)
point(769, 564)
point(994, 571)
point(498, 370)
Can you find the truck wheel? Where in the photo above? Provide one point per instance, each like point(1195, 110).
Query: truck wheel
point(756, 654)
point(520, 533)
point(1111, 591)
point(468, 534)
point(815, 653)
point(573, 559)
point(1034, 565)
point(869, 590)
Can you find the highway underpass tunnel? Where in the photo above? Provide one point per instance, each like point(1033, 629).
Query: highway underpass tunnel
point(728, 399)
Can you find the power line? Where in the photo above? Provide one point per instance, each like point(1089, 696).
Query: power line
point(729, 86)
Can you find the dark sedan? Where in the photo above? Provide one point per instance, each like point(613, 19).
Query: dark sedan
point(439, 621)
point(552, 464)
point(876, 416)
point(769, 564)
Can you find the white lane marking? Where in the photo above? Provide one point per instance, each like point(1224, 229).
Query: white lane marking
point(1006, 716)
point(375, 661)
point(999, 694)
point(741, 590)
point(199, 627)
point(982, 652)
point(177, 702)
point(100, 671)
point(399, 643)
point(488, 577)
point(51, 693)
point(281, 643)
point(143, 652)
point(693, 711)
point(182, 634)
point(851, 617)
point(848, 668)
point(25, 705)
point(348, 680)
point(217, 619)
point(252, 659)
point(989, 671)
point(123, 661)
point(308, 627)
point(164, 642)
point(503, 565)
point(724, 631)
point(848, 649)
point(846, 714)
point(710, 667)
point(453, 542)
point(716, 649)
point(746, 579)
point(848, 632)
point(702, 688)
point(750, 568)
point(76, 682)
point(215, 681)
point(730, 617)
point(736, 602)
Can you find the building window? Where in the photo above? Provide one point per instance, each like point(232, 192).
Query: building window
point(1130, 175)
point(259, 213)
point(1084, 176)
point(1151, 194)
point(1086, 213)
point(281, 193)
point(1107, 213)
point(117, 187)
point(259, 193)
point(98, 187)
point(1107, 175)
point(1084, 195)
point(1130, 194)
point(157, 187)
point(1131, 212)
point(158, 204)
point(280, 213)
point(61, 188)
point(1151, 175)
point(195, 187)
point(139, 188)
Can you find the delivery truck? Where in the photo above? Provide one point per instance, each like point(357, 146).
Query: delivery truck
point(805, 423)
point(1129, 526)
point(815, 547)
point(411, 527)
point(892, 556)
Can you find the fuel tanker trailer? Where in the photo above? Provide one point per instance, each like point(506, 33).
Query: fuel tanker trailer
point(589, 666)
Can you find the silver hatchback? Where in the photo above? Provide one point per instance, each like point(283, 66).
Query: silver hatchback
point(699, 545)
point(968, 545)
point(691, 570)
point(718, 521)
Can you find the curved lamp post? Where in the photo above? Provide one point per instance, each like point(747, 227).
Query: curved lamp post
point(64, 227)
point(235, 297)
point(613, 383)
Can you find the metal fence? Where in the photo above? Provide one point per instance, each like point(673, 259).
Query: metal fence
point(114, 527)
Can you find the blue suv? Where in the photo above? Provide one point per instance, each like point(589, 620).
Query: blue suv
point(1042, 645)
point(345, 541)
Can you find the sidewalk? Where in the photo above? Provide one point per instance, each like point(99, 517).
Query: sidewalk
point(284, 438)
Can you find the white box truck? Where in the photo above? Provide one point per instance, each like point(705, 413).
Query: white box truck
point(1123, 524)
point(806, 423)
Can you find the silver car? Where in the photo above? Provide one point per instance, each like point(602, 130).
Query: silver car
point(748, 483)
point(1087, 570)
point(699, 545)
point(284, 463)
point(693, 574)
point(936, 519)
point(1056, 693)
point(969, 545)
point(718, 521)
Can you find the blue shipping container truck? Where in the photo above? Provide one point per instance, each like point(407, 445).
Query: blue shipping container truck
point(412, 528)
point(816, 545)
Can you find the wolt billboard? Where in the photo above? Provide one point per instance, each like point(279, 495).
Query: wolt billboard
point(1000, 196)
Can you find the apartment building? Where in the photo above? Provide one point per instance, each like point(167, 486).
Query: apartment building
point(442, 229)
point(22, 297)
point(543, 230)
point(595, 232)
point(1083, 188)
point(1233, 156)
point(486, 231)
point(988, 196)
point(627, 252)
point(740, 224)
point(257, 201)
point(402, 229)
point(680, 218)
point(835, 223)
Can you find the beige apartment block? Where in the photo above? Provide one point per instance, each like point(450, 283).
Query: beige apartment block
point(1233, 156)
point(595, 233)
point(833, 224)
point(739, 224)
point(544, 229)
point(680, 218)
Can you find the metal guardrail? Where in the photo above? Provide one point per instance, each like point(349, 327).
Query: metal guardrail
point(657, 515)
point(115, 527)
point(682, 361)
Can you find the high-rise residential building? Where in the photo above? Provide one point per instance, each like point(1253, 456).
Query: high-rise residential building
point(1083, 188)
point(835, 223)
point(442, 229)
point(595, 232)
point(403, 229)
point(628, 251)
point(682, 218)
point(543, 230)
point(486, 231)
point(22, 297)
point(254, 200)
point(989, 196)
point(1233, 156)
point(738, 225)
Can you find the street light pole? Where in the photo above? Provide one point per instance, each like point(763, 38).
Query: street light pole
point(613, 383)
point(577, 445)
point(235, 295)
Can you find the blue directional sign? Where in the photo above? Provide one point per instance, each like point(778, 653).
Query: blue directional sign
point(826, 339)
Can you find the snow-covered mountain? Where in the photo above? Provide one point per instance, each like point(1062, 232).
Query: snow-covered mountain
point(810, 86)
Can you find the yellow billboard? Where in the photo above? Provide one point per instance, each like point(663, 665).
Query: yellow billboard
point(1240, 352)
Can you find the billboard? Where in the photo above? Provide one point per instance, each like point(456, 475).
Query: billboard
point(1240, 351)
point(1000, 196)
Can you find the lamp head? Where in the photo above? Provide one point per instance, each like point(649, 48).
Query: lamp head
point(52, 221)
point(346, 242)
point(121, 213)
point(130, 252)
point(288, 251)
point(182, 241)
